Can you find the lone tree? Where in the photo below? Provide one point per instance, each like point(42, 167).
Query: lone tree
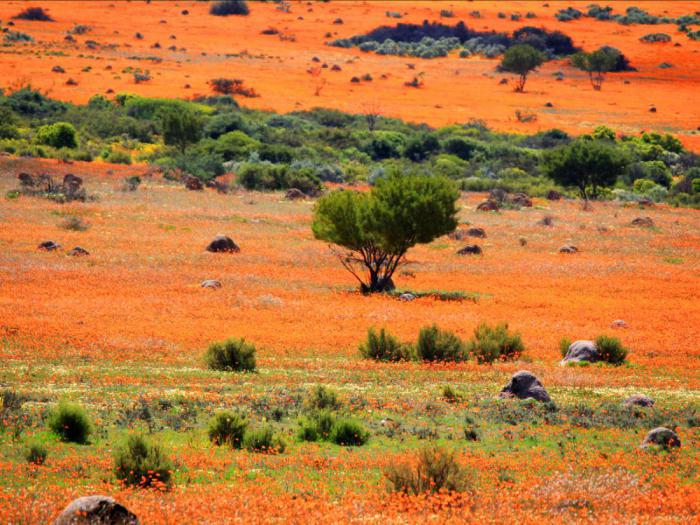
point(180, 127)
point(596, 64)
point(375, 229)
point(521, 59)
point(586, 164)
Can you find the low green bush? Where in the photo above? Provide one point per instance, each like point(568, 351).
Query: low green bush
point(36, 453)
point(439, 345)
point(349, 433)
point(231, 355)
point(322, 398)
point(264, 440)
point(316, 425)
point(139, 463)
point(611, 350)
point(490, 344)
point(227, 428)
point(384, 347)
point(436, 469)
point(71, 423)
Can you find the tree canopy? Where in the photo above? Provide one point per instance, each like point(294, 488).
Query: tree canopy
point(596, 64)
point(521, 60)
point(375, 229)
point(586, 163)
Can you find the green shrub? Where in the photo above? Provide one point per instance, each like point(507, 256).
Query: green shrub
point(451, 395)
point(231, 355)
point(58, 135)
point(118, 157)
point(322, 398)
point(564, 345)
point(264, 440)
point(611, 350)
point(227, 428)
point(70, 423)
point(36, 453)
point(383, 347)
point(348, 433)
point(439, 345)
point(495, 343)
point(317, 425)
point(436, 469)
point(142, 464)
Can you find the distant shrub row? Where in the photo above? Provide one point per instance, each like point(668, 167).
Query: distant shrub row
point(488, 344)
point(433, 39)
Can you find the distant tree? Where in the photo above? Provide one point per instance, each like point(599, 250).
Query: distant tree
point(521, 59)
point(372, 111)
point(596, 64)
point(180, 127)
point(586, 164)
point(375, 229)
point(35, 14)
point(229, 7)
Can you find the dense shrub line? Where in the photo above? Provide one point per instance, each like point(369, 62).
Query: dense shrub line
point(210, 136)
point(434, 39)
point(488, 345)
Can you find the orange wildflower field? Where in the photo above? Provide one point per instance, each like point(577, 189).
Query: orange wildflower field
point(124, 332)
point(455, 89)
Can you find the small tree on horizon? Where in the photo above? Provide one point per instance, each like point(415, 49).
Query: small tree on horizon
point(521, 60)
point(586, 164)
point(375, 229)
point(597, 64)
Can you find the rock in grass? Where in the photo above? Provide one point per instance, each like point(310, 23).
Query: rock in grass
point(49, 246)
point(212, 284)
point(223, 244)
point(524, 385)
point(579, 351)
point(618, 323)
point(294, 194)
point(408, 297)
point(644, 222)
point(488, 205)
point(662, 437)
point(96, 510)
point(639, 400)
point(477, 232)
point(78, 252)
point(471, 249)
point(568, 248)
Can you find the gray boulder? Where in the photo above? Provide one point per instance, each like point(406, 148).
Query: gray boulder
point(96, 510)
point(663, 437)
point(472, 249)
point(639, 400)
point(618, 323)
point(408, 297)
point(568, 248)
point(78, 252)
point(488, 205)
point(477, 232)
point(223, 244)
point(581, 351)
point(49, 246)
point(211, 283)
point(525, 385)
